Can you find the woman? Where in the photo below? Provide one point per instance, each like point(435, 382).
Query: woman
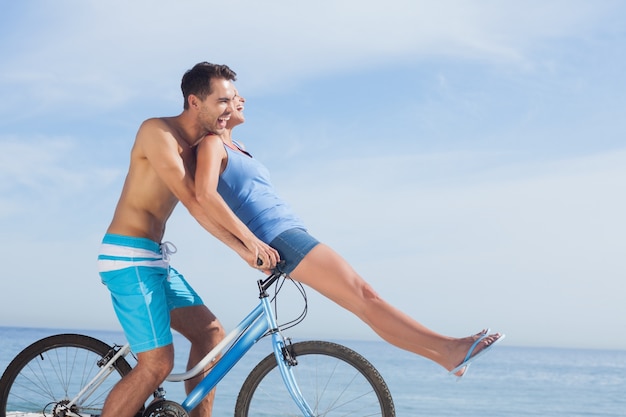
point(228, 178)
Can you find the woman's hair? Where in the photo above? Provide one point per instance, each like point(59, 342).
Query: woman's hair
point(197, 81)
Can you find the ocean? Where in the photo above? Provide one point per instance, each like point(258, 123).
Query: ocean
point(510, 381)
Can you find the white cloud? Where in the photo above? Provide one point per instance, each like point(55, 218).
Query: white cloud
point(108, 53)
point(522, 235)
point(37, 164)
point(47, 165)
point(459, 188)
point(53, 184)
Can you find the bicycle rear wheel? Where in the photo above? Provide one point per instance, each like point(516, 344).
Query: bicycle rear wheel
point(334, 380)
point(49, 374)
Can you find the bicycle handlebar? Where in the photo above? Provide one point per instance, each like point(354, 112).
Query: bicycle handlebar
point(265, 283)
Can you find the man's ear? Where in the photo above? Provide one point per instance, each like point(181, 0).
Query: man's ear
point(193, 101)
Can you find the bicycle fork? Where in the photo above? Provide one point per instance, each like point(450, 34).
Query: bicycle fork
point(286, 361)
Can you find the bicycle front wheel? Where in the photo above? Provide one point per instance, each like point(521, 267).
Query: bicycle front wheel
point(50, 373)
point(334, 380)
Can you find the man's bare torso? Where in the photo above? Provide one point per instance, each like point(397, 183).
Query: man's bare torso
point(146, 201)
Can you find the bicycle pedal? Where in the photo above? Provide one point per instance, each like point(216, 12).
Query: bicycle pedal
point(159, 394)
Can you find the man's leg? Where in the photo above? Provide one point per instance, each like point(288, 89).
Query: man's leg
point(204, 331)
point(131, 393)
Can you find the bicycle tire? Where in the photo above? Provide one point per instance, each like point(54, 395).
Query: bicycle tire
point(335, 381)
point(53, 370)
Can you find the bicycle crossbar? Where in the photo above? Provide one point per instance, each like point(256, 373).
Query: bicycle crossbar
point(251, 329)
point(212, 355)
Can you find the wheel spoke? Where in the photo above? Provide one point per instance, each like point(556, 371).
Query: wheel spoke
point(334, 380)
point(49, 374)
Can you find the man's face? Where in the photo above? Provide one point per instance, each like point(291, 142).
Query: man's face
point(216, 109)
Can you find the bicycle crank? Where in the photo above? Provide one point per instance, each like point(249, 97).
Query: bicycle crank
point(165, 408)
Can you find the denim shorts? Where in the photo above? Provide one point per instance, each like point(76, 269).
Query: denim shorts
point(292, 246)
point(144, 289)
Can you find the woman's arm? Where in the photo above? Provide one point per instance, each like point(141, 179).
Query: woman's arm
point(211, 160)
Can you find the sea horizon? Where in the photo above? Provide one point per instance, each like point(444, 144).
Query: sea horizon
point(510, 381)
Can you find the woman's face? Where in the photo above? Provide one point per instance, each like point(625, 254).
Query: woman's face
point(237, 117)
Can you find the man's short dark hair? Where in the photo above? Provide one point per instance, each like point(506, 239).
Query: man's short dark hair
point(197, 81)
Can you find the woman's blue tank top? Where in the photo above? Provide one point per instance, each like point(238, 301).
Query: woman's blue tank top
point(245, 186)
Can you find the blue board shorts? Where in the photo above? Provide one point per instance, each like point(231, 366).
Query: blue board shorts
point(144, 288)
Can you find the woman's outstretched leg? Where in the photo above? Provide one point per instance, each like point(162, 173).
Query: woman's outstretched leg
point(328, 273)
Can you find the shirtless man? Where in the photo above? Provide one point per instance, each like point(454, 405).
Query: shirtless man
point(149, 296)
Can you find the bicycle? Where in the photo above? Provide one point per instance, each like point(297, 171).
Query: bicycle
point(70, 375)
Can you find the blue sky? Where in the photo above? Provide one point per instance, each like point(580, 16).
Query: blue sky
point(467, 157)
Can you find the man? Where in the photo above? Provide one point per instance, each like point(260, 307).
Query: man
point(148, 295)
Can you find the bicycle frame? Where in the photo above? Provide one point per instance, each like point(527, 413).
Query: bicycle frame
point(92, 386)
point(253, 327)
point(249, 331)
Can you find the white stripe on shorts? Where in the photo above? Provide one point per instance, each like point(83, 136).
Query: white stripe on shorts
point(147, 258)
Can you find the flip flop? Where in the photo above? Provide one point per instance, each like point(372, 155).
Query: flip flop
point(469, 358)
